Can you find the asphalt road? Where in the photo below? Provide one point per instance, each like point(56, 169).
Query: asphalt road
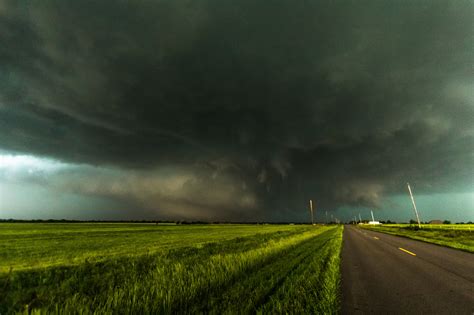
point(385, 274)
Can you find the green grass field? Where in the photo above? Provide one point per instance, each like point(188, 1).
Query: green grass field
point(146, 268)
point(459, 236)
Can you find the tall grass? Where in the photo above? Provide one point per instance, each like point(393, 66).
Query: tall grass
point(240, 275)
point(313, 288)
point(39, 245)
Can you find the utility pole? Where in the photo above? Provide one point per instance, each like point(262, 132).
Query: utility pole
point(414, 205)
point(311, 209)
point(314, 211)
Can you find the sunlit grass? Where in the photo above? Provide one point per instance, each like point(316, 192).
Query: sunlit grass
point(200, 269)
point(459, 236)
point(40, 245)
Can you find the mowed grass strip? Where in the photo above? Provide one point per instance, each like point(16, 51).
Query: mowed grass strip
point(166, 282)
point(457, 236)
point(39, 245)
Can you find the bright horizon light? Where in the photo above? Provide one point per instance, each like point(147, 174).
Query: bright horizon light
point(12, 162)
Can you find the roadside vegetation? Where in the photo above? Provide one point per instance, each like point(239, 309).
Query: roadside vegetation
point(195, 269)
point(459, 236)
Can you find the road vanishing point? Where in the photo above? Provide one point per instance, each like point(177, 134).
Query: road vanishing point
point(386, 274)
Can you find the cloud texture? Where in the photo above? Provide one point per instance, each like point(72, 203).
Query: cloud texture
point(228, 109)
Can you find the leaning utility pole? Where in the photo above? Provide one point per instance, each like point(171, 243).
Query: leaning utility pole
point(414, 205)
point(311, 209)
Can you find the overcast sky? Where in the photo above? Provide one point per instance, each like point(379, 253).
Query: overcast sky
point(236, 110)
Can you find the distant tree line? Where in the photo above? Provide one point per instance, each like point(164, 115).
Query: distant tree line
point(177, 222)
point(413, 222)
point(184, 222)
point(444, 222)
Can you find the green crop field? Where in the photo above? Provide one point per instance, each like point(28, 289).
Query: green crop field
point(459, 236)
point(147, 268)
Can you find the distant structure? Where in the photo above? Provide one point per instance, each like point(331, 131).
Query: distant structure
point(435, 222)
point(373, 220)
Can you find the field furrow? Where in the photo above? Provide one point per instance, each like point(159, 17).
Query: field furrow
point(263, 281)
point(30, 245)
point(313, 287)
point(203, 277)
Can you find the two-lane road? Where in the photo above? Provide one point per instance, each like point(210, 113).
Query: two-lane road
point(385, 274)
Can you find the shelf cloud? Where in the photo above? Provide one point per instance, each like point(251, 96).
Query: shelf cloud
point(237, 110)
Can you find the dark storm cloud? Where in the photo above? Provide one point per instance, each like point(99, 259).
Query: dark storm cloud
point(335, 100)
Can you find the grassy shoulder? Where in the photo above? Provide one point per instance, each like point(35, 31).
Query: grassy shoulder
point(455, 236)
point(317, 280)
point(262, 271)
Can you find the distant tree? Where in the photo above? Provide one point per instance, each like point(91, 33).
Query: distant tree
point(446, 222)
point(413, 221)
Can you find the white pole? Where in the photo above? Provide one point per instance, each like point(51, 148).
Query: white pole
point(414, 205)
point(315, 208)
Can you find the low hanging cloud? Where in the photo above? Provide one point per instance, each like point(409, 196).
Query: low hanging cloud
point(184, 194)
point(246, 107)
point(167, 192)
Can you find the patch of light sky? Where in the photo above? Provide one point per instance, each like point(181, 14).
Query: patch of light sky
point(22, 196)
point(29, 163)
